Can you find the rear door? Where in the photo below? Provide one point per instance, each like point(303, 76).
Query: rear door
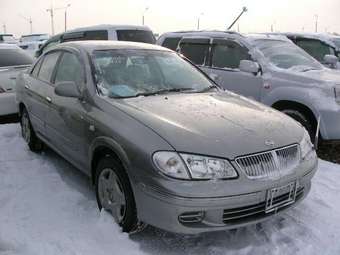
point(36, 87)
point(66, 120)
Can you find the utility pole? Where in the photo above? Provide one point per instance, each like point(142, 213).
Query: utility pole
point(199, 20)
point(143, 17)
point(244, 9)
point(4, 27)
point(51, 11)
point(29, 21)
point(316, 22)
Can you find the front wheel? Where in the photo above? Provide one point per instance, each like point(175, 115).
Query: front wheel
point(303, 120)
point(115, 195)
point(33, 142)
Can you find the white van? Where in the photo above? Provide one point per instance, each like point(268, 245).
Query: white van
point(102, 32)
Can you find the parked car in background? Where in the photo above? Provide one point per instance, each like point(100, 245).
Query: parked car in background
point(161, 142)
point(34, 38)
point(102, 32)
point(13, 60)
point(323, 47)
point(32, 43)
point(270, 69)
point(7, 38)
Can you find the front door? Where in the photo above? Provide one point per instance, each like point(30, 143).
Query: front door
point(224, 69)
point(66, 120)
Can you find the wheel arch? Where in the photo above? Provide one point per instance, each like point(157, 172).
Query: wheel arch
point(288, 104)
point(106, 147)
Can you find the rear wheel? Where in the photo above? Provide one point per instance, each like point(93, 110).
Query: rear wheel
point(115, 195)
point(33, 142)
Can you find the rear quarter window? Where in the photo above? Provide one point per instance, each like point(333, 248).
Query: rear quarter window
point(14, 57)
point(136, 36)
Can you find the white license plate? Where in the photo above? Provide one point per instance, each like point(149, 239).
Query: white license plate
point(281, 196)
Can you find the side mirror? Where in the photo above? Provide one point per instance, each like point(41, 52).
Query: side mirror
point(249, 66)
point(330, 60)
point(67, 89)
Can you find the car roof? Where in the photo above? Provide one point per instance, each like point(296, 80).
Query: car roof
point(267, 36)
point(9, 46)
point(108, 26)
point(206, 33)
point(324, 37)
point(92, 45)
point(34, 35)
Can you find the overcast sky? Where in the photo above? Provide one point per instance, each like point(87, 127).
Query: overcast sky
point(172, 15)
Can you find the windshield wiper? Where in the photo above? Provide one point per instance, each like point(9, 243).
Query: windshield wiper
point(162, 91)
point(207, 89)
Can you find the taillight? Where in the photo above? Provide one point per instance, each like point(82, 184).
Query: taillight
point(2, 90)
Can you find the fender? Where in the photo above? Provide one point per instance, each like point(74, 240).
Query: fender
point(111, 144)
point(310, 99)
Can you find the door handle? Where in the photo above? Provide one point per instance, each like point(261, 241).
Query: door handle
point(48, 99)
point(27, 86)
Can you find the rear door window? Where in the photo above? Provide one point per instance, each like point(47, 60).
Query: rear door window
point(171, 42)
point(195, 50)
point(315, 48)
point(136, 36)
point(48, 66)
point(14, 57)
point(228, 54)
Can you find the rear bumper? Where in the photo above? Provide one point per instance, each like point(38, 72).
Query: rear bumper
point(8, 105)
point(164, 210)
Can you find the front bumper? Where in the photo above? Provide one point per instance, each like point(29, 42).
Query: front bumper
point(330, 123)
point(8, 105)
point(166, 211)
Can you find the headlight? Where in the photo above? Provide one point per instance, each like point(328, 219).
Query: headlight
point(306, 147)
point(207, 168)
point(199, 167)
point(337, 93)
point(170, 164)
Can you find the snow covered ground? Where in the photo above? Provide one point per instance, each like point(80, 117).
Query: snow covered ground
point(47, 207)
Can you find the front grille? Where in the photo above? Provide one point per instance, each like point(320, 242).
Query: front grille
point(270, 163)
point(256, 211)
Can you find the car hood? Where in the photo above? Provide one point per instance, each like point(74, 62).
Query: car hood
point(322, 76)
point(216, 124)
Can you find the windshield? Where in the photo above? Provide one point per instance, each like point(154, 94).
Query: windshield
point(131, 73)
point(286, 55)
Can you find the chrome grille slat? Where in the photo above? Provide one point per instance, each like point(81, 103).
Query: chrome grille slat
point(269, 163)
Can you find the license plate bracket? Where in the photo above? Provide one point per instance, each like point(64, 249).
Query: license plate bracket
point(281, 196)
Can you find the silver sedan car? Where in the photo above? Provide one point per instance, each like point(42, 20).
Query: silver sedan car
point(161, 142)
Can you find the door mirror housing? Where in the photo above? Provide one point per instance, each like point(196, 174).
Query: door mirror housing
point(330, 60)
point(249, 66)
point(67, 89)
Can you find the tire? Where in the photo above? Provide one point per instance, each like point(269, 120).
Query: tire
point(109, 197)
point(33, 142)
point(303, 120)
